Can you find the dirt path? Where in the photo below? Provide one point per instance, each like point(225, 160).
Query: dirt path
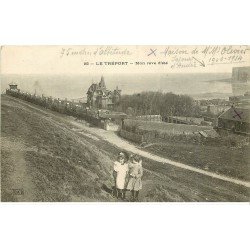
point(114, 139)
point(123, 144)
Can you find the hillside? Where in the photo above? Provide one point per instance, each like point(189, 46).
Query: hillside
point(52, 162)
point(53, 157)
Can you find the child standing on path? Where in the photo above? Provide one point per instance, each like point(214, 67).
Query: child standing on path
point(120, 174)
point(135, 175)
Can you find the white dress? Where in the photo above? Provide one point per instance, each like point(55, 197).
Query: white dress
point(121, 170)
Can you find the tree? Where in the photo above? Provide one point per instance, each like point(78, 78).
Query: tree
point(165, 104)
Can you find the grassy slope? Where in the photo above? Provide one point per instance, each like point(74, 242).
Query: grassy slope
point(162, 182)
point(68, 166)
point(224, 160)
point(62, 168)
point(219, 158)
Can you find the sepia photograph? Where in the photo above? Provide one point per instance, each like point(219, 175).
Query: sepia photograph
point(125, 123)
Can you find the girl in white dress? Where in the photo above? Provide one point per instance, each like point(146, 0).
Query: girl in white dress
point(120, 174)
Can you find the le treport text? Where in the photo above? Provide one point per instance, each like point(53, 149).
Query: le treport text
point(124, 63)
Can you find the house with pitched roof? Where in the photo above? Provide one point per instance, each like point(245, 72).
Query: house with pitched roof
point(98, 96)
point(235, 119)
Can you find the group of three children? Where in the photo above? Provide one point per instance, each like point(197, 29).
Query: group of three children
point(127, 175)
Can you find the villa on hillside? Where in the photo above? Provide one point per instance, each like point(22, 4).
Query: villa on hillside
point(98, 96)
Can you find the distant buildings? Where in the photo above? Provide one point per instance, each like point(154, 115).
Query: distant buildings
point(98, 96)
point(235, 119)
point(106, 119)
point(216, 109)
point(184, 120)
point(213, 107)
point(240, 100)
point(232, 115)
point(13, 87)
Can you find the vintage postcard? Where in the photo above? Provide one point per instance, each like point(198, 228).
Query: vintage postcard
point(125, 123)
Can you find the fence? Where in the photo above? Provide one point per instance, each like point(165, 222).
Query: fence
point(131, 136)
point(153, 118)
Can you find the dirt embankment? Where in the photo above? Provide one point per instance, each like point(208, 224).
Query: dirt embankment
point(43, 162)
point(58, 160)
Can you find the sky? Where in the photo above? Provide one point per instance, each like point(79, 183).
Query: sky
point(75, 86)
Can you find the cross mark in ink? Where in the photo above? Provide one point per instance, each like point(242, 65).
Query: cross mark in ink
point(236, 113)
point(152, 52)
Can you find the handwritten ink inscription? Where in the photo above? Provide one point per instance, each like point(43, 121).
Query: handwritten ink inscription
point(101, 51)
point(173, 57)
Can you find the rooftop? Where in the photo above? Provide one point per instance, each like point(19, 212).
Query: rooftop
point(241, 114)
